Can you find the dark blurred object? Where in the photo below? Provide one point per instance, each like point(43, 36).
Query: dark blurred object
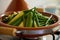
point(57, 33)
point(0, 39)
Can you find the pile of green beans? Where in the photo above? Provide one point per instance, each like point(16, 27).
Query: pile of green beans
point(30, 18)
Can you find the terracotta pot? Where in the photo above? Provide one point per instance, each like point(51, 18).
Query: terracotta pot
point(17, 5)
point(39, 31)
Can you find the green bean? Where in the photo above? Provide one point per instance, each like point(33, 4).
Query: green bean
point(29, 20)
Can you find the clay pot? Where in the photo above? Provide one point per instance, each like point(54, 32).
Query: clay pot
point(35, 32)
point(17, 5)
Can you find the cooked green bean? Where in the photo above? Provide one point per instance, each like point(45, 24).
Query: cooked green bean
point(30, 18)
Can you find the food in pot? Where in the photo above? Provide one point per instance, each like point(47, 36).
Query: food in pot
point(28, 18)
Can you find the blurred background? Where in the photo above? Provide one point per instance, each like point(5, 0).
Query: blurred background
point(31, 3)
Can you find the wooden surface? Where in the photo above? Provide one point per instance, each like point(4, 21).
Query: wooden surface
point(7, 31)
